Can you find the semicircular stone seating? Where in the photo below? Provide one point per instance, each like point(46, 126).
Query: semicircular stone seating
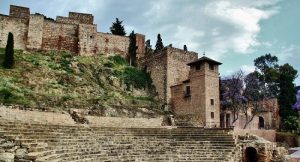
point(83, 143)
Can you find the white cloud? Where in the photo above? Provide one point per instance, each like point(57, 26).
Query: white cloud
point(243, 19)
point(247, 68)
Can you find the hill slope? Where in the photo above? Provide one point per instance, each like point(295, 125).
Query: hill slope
point(59, 81)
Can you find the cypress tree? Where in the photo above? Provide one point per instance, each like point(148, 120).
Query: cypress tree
point(117, 28)
point(185, 48)
point(132, 48)
point(159, 44)
point(9, 62)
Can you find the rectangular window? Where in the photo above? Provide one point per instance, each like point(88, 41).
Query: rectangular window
point(211, 67)
point(212, 115)
point(212, 102)
point(198, 67)
point(187, 91)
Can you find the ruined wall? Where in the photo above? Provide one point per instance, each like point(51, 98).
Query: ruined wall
point(59, 36)
point(19, 28)
point(35, 32)
point(269, 135)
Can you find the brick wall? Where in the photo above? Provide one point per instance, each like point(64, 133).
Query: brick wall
point(59, 36)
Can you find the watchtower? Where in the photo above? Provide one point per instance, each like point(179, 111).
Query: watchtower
point(197, 98)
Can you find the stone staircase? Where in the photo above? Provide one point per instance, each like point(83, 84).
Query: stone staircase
point(82, 143)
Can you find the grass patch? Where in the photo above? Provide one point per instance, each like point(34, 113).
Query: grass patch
point(59, 80)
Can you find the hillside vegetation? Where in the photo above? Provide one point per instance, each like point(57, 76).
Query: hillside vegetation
point(58, 81)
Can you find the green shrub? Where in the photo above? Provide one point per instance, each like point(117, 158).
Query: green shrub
point(291, 123)
point(136, 77)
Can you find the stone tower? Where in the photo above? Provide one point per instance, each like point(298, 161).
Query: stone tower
point(196, 99)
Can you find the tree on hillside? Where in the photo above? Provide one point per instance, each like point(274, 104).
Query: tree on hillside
point(159, 44)
point(287, 93)
point(9, 62)
point(185, 48)
point(132, 49)
point(117, 28)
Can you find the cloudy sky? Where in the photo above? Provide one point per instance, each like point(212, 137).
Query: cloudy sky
point(234, 32)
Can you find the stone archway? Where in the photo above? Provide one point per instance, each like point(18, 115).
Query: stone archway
point(251, 155)
point(261, 122)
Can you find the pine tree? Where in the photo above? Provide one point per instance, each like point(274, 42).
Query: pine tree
point(117, 28)
point(9, 62)
point(159, 44)
point(132, 49)
point(185, 48)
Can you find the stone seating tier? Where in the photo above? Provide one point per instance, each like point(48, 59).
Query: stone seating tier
point(83, 143)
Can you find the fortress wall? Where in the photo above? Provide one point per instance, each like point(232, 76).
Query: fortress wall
point(66, 20)
point(19, 28)
point(112, 44)
point(35, 32)
point(156, 65)
point(178, 70)
point(60, 36)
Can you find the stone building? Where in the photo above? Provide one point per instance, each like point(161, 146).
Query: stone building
point(267, 118)
point(76, 33)
point(167, 68)
point(196, 99)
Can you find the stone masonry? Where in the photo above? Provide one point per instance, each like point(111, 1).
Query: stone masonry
point(75, 33)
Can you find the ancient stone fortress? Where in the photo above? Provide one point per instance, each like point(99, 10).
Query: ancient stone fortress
point(75, 33)
point(188, 86)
